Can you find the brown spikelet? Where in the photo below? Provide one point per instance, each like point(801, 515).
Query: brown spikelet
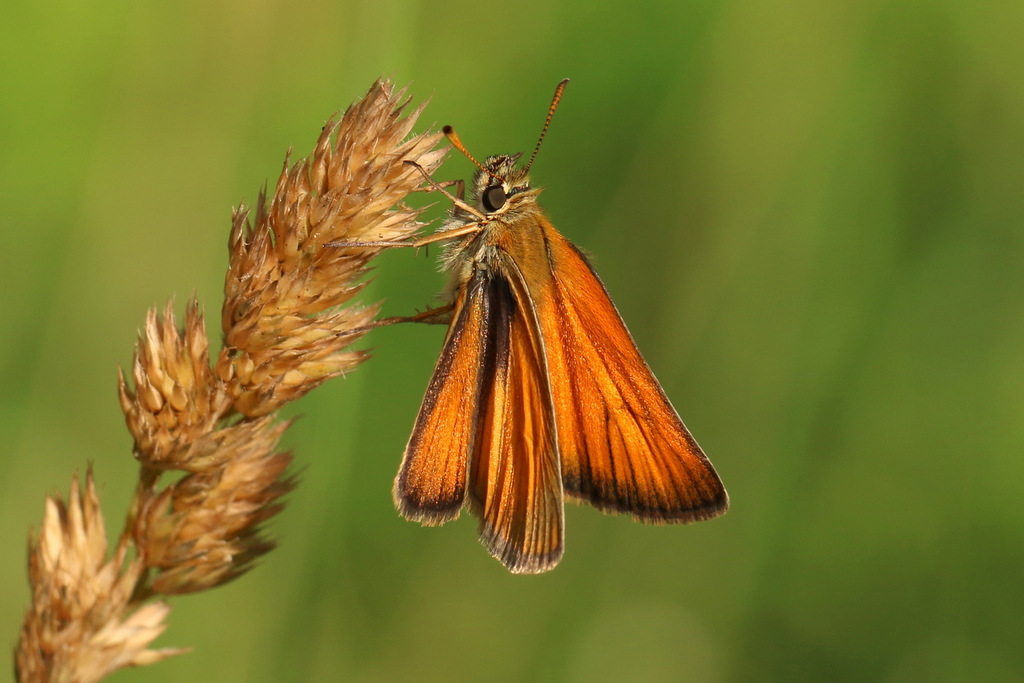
point(79, 627)
point(203, 531)
point(177, 399)
point(279, 342)
point(288, 320)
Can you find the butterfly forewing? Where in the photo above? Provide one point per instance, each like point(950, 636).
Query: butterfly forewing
point(623, 447)
point(431, 484)
point(515, 483)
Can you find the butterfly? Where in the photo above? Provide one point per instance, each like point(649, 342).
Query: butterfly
point(540, 393)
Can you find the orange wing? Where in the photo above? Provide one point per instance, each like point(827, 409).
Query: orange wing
point(431, 484)
point(515, 485)
point(489, 403)
point(623, 446)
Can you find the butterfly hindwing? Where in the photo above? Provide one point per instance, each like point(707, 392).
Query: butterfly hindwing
point(623, 447)
point(487, 417)
point(431, 483)
point(515, 483)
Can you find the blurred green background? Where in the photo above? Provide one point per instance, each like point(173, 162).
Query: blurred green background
point(808, 212)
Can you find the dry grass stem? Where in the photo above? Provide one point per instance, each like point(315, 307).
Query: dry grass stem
point(288, 321)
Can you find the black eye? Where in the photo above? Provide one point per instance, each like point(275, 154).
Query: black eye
point(494, 198)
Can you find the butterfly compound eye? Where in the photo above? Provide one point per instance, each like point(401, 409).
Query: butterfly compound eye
point(494, 198)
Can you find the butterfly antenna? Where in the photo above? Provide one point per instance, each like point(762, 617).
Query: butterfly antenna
point(551, 112)
point(449, 133)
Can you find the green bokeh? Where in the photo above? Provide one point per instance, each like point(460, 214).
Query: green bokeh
point(808, 212)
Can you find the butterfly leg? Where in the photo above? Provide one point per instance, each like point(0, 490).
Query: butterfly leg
point(460, 188)
point(467, 229)
point(457, 201)
point(440, 315)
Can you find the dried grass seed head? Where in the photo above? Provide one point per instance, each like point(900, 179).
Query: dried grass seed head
point(76, 629)
point(177, 399)
point(205, 530)
point(284, 334)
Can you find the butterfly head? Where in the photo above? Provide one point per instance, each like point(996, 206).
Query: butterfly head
point(501, 186)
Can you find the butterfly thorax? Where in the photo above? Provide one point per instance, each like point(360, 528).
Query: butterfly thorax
point(504, 195)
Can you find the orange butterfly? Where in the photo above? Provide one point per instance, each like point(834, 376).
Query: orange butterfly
point(540, 391)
